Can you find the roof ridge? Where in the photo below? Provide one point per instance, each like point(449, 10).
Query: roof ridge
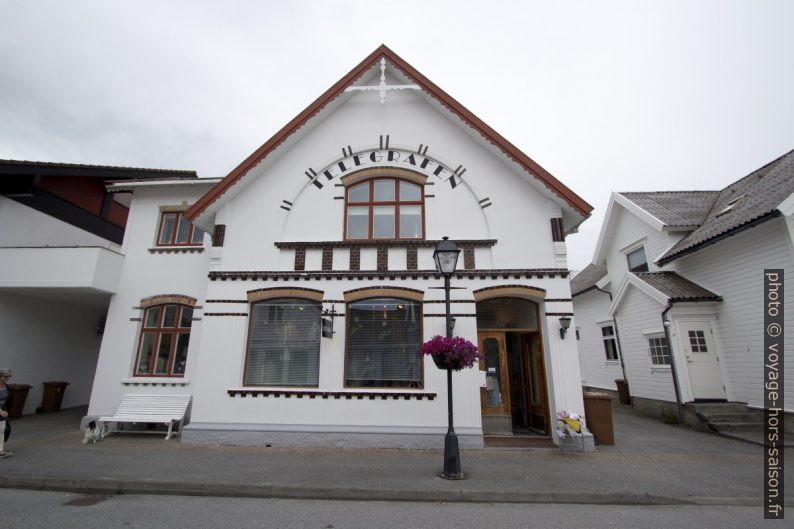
point(673, 191)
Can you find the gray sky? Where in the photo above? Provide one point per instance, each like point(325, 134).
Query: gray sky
point(617, 95)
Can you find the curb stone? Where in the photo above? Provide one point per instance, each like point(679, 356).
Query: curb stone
point(150, 487)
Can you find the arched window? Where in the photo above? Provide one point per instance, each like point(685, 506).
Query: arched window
point(283, 343)
point(383, 343)
point(165, 334)
point(384, 208)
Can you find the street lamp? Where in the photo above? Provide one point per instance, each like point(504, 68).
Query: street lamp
point(446, 258)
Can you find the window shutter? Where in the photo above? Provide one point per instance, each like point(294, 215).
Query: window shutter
point(284, 343)
point(383, 344)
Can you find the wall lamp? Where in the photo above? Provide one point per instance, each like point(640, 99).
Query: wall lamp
point(565, 322)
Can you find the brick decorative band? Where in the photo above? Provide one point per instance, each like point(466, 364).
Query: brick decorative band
point(559, 314)
point(290, 292)
point(387, 292)
point(337, 395)
point(190, 249)
point(225, 314)
point(168, 298)
point(374, 243)
point(526, 273)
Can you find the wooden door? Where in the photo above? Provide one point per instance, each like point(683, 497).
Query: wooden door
point(536, 394)
point(702, 360)
point(495, 396)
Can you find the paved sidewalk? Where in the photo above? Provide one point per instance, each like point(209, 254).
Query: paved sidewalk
point(652, 463)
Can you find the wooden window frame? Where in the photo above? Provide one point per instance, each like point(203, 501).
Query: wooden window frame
point(172, 238)
point(660, 346)
point(371, 203)
point(613, 338)
point(646, 265)
point(158, 331)
point(420, 318)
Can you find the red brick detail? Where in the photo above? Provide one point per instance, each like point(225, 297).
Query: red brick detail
point(383, 258)
point(355, 258)
point(468, 258)
point(300, 259)
point(411, 260)
point(218, 235)
point(328, 258)
point(557, 234)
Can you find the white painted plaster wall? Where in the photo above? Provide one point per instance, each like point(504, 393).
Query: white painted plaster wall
point(48, 340)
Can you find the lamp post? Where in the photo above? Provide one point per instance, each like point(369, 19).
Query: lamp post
point(446, 258)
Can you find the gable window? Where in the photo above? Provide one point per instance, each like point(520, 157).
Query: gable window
point(383, 341)
point(659, 351)
point(162, 348)
point(283, 343)
point(610, 342)
point(176, 230)
point(637, 260)
point(384, 208)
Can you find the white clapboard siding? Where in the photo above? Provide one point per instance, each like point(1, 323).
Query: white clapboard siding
point(590, 308)
point(628, 229)
point(636, 315)
point(734, 268)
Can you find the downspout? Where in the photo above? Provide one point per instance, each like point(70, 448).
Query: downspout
point(672, 362)
point(617, 336)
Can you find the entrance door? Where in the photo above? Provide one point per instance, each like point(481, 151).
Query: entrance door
point(537, 397)
point(495, 396)
point(702, 361)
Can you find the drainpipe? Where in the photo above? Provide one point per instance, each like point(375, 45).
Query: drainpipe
point(672, 362)
point(617, 336)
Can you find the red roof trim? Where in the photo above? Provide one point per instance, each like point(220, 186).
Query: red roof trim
point(382, 51)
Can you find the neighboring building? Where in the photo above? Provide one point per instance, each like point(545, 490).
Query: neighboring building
point(334, 220)
point(60, 232)
point(694, 259)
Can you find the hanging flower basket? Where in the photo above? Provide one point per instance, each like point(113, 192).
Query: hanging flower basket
point(452, 353)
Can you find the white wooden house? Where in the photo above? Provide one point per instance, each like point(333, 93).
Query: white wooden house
point(335, 218)
point(677, 280)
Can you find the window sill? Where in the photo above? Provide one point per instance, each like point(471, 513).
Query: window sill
point(660, 369)
point(155, 381)
point(348, 395)
point(177, 249)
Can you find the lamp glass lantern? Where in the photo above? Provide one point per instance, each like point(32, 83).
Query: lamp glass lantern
point(565, 323)
point(446, 257)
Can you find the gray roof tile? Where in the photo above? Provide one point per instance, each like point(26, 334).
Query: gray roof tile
point(676, 287)
point(587, 278)
point(685, 209)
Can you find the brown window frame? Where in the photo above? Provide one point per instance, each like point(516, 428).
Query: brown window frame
point(348, 322)
point(159, 330)
point(174, 230)
point(371, 203)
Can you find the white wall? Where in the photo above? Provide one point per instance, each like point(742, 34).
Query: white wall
point(734, 268)
point(24, 226)
point(47, 340)
point(590, 308)
point(627, 230)
point(639, 314)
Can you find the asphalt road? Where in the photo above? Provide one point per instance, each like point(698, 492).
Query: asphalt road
point(34, 509)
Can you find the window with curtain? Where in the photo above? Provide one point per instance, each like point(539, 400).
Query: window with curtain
point(165, 334)
point(384, 208)
point(383, 344)
point(283, 343)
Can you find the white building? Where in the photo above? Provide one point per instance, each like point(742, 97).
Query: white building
point(694, 259)
point(60, 261)
point(336, 218)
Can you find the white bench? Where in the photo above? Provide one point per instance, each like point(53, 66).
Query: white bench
point(160, 409)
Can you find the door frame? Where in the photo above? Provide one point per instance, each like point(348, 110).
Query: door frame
point(712, 342)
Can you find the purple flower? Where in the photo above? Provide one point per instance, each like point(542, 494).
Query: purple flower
point(457, 353)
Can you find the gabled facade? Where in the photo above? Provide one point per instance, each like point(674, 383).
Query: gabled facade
point(683, 284)
point(307, 309)
point(60, 255)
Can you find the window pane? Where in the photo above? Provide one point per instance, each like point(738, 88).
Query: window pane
point(384, 190)
point(284, 343)
point(409, 191)
point(161, 367)
point(383, 225)
point(145, 356)
point(410, 222)
point(637, 261)
point(187, 317)
point(359, 193)
point(507, 313)
point(493, 385)
point(358, 222)
point(383, 344)
point(198, 236)
point(166, 231)
point(152, 317)
point(182, 230)
point(180, 355)
point(169, 319)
